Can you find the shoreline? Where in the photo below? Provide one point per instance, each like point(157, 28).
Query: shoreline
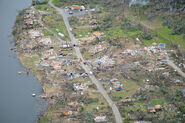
point(53, 79)
point(18, 56)
point(39, 80)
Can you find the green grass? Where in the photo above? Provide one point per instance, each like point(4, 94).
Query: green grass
point(45, 119)
point(62, 3)
point(157, 101)
point(48, 115)
point(56, 2)
point(116, 32)
point(47, 33)
point(81, 80)
point(29, 62)
point(86, 32)
point(43, 7)
point(93, 105)
point(55, 21)
point(165, 36)
point(129, 85)
point(127, 90)
point(162, 34)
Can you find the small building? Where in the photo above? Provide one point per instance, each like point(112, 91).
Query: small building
point(97, 34)
point(151, 108)
point(76, 8)
point(158, 107)
point(154, 108)
point(67, 113)
point(162, 46)
point(100, 119)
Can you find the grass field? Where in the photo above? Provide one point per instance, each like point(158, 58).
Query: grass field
point(29, 62)
point(161, 33)
point(55, 21)
point(43, 7)
point(116, 32)
point(101, 102)
point(126, 91)
point(85, 32)
point(160, 101)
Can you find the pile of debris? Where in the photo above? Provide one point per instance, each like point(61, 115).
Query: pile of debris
point(105, 61)
point(100, 119)
point(97, 48)
point(80, 86)
point(33, 34)
point(29, 18)
point(132, 52)
point(116, 84)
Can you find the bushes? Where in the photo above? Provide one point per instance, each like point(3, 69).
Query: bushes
point(146, 36)
point(60, 3)
point(39, 2)
point(175, 23)
point(92, 100)
point(14, 32)
point(128, 27)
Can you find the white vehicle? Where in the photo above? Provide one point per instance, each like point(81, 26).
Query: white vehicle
point(65, 46)
point(90, 72)
point(61, 35)
point(70, 29)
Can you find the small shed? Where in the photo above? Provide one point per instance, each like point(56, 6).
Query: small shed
point(161, 45)
point(99, 62)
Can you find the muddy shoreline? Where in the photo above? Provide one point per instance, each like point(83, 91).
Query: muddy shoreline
point(38, 78)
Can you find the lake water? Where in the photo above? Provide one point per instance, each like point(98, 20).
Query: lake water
point(16, 102)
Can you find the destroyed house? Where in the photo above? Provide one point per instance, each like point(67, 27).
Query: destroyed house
point(154, 108)
point(97, 34)
point(45, 41)
point(100, 119)
point(48, 53)
point(34, 34)
point(56, 64)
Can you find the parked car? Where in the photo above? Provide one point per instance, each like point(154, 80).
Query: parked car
point(64, 54)
point(70, 13)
